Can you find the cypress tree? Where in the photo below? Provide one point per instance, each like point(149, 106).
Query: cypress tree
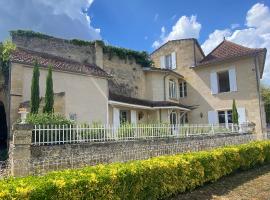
point(234, 113)
point(49, 99)
point(35, 89)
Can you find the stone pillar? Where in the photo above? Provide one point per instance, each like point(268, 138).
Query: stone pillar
point(20, 149)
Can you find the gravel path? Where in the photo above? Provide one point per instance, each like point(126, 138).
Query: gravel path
point(252, 185)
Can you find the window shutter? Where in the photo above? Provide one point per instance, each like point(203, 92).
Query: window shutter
point(241, 115)
point(212, 117)
point(116, 117)
point(133, 116)
point(173, 60)
point(214, 83)
point(162, 62)
point(232, 77)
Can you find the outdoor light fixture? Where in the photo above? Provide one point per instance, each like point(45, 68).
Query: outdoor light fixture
point(201, 115)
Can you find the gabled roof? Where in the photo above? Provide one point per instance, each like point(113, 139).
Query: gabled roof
point(143, 102)
point(229, 50)
point(192, 39)
point(28, 57)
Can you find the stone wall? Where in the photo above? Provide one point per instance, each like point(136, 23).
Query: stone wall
point(28, 159)
point(58, 47)
point(128, 76)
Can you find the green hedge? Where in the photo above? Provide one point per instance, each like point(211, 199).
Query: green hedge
point(156, 178)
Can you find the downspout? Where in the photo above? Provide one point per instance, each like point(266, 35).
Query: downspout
point(258, 87)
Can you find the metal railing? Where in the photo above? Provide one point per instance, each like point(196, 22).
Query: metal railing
point(61, 134)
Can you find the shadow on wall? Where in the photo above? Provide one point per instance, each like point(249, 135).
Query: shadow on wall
point(3, 127)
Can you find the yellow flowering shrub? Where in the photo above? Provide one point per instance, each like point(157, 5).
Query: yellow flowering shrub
point(155, 178)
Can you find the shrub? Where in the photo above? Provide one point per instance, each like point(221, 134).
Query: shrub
point(47, 119)
point(155, 178)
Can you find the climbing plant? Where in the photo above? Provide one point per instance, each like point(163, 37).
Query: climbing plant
point(6, 49)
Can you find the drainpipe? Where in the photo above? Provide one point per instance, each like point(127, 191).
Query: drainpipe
point(258, 86)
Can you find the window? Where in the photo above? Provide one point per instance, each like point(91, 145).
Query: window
point(183, 89)
point(123, 116)
point(172, 89)
point(223, 81)
point(168, 61)
point(225, 117)
point(184, 119)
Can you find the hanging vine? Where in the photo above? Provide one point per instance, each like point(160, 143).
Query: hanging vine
point(6, 49)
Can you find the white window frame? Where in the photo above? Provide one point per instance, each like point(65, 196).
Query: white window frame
point(183, 89)
point(220, 72)
point(168, 61)
point(172, 89)
point(226, 116)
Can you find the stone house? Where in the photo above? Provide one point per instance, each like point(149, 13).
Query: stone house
point(182, 86)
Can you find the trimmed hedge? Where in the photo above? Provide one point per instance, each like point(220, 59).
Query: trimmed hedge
point(155, 178)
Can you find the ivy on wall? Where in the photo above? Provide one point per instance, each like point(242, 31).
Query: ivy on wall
point(5, 50)
point(141, 57)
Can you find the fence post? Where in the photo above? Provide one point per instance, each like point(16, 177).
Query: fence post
point(20, 151)
point(213, 130)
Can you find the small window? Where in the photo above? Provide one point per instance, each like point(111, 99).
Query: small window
point(223, 81)
point(168, 61)
point(172, 89)
point(183, 89)
point(225, 117)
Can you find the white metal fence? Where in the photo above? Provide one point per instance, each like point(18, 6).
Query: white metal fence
point(61, 134)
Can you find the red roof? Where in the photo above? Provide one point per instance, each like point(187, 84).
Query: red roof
point(25, 56)
point(228, 50)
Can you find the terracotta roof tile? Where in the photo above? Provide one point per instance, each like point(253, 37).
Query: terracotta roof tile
point(228, 50)
point(25, 56)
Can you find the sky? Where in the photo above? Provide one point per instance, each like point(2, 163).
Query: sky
point(144, 25)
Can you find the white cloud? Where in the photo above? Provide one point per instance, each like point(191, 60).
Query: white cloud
point(256, 34)
point(185, 27)
point(66, 18)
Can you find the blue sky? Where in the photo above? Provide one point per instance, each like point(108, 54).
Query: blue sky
point(137, 24)
point(144, 24)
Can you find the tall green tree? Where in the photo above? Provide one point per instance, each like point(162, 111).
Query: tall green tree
point(35, 89)
point(234, 113)
point(265, 92)
point(49, 99)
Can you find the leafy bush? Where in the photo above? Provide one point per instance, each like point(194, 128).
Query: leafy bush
point(155, 178)
point(47, 119)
